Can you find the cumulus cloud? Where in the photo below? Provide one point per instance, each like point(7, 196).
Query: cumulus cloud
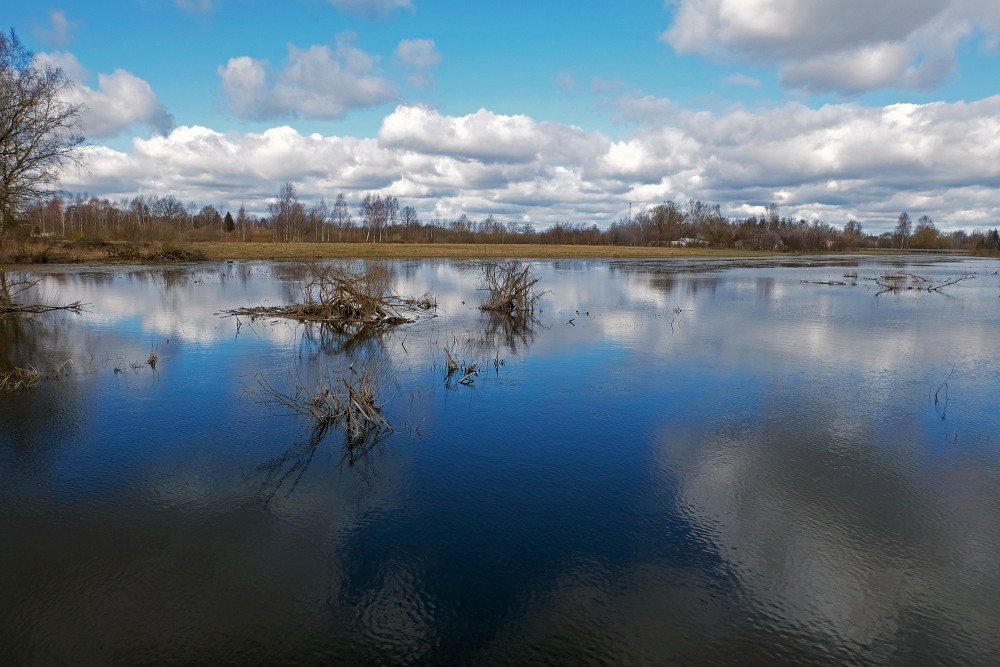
point(120, 100)
point(316, 82)
point(825, 45)
point(835, 163)
point(483, 136)
point(377, 9)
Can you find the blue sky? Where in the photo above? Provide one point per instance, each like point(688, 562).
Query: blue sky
point(540, 111)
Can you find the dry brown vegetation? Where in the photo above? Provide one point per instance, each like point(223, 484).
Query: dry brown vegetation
point(348, 297)
point(63, 251)
point(352, 402)
point(58, 251)
point(17, 379)
point(507, 286)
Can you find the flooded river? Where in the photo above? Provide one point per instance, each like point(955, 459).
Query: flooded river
point(699, 462)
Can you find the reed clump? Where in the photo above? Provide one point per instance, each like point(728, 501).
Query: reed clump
point(17, 379)
point(28, 377)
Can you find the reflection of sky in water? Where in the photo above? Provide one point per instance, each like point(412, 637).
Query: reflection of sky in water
point(712, 461)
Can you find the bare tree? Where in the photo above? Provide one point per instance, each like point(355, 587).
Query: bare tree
point(39, 130)
point(341, 216)
point(853, 233)
point(375, 214)
point(288, 215)
point(319, 215)
point(903, 226)
point(242, 222)
point(391, 212)
point(408, 218)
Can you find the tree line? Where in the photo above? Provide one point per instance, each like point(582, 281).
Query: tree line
point(383, 219)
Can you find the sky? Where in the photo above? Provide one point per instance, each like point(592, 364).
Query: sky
point(539, 112)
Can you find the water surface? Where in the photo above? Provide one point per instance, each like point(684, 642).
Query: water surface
point(710, 462)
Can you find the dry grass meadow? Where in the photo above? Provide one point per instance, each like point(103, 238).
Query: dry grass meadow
point(32, 252)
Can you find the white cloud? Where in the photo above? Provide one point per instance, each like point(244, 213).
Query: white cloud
point(838, 162)
point(315, 82)
point(780, 29)
point(120, 100)
point(845, 46)
point(480, 136)
point(483, 136)
point(372, 8)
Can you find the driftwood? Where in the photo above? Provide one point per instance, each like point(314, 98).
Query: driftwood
point(32, 309)
point(348, 298)
point(10, 291)
point(902, 281)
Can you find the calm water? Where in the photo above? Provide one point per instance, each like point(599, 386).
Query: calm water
point(712, 463)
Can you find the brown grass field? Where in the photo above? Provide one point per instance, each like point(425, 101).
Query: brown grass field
point(63, 252)
point(305, 251)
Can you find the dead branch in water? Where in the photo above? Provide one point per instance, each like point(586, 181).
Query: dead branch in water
point(941, 407)
point(902, 281)
point(352, 403)
point(33, 309)
point(11, 289)
point(349, 298)
point(508, 285)
point(469, 371)
point(349, 402)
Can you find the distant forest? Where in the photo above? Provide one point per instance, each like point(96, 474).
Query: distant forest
point(378, 219)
